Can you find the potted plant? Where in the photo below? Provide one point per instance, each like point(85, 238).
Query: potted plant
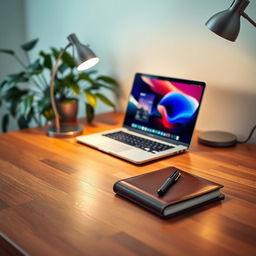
point(26, 94)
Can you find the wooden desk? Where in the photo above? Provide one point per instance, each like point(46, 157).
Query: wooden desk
point(56, 198)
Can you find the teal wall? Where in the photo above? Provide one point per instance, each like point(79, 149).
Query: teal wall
point(12, 34)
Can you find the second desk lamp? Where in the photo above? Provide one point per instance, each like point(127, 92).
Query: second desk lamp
point(227, 25)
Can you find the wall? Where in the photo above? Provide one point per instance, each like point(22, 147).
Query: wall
point(13, 34)
point(165, 37)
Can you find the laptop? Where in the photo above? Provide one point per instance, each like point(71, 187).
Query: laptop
point(159, 121)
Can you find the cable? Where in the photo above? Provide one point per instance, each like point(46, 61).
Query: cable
point(250, 135)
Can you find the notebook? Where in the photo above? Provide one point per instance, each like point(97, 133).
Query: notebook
point(190, 191)
point(159, 121)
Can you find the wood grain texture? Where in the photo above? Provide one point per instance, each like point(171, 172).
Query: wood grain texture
point(56, 198)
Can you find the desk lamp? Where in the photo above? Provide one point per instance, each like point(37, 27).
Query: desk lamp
point(84, 59)
point(227, 25)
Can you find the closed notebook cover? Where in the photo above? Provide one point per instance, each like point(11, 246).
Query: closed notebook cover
point(142, 189)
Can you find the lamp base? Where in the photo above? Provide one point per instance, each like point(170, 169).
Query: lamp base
point(217, 139)
point(66, 131)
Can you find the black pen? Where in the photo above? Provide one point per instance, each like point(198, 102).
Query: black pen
point(166, 185)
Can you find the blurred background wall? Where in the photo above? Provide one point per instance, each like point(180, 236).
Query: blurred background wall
point(12, 35)
point(164, 37)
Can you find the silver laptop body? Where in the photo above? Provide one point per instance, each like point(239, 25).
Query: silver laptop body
point(160, 109)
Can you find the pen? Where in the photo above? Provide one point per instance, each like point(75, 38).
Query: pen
point(167, 184)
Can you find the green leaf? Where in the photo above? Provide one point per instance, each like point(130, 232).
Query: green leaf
point(29, 45)
point(89, 112)
point(108, 80)
point(66, 101)
point(15, 94)
point(85, 77)
point(44, 106)
point(68, 60)
point(90, 72)
point(30, 116)
point(26, 105)
point(5, 122)
point(3, 83)
point(91, 98)
point(48, 114)
point(62, 67)
point(69, 82)
point(93, 87)
point(10, 52)
point(35, 68)
point(14, 107)
point(6, 87)
point(105, 100)
point(22, 122)
point(47, 60)
point(15, 78)
point(13, 97)
point(12, 80)
point(75, 88)
point(107, 87)
point(44, 102)
point(55, 52)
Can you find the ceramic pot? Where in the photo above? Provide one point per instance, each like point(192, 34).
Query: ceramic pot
point(68, 110)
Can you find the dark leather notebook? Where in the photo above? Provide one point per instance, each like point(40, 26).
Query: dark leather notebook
point(188, 192)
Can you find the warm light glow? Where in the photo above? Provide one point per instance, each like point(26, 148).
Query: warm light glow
point(88, 64)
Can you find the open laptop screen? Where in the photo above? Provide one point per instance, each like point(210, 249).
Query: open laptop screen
point(164, 107)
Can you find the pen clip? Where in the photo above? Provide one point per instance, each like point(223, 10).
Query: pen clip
point(177, 176)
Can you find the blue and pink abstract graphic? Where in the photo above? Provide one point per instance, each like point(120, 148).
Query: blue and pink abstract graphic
point(177, 108)
point(165, 104)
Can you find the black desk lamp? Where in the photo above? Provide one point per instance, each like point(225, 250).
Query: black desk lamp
point(227, 25)
point(84, 59)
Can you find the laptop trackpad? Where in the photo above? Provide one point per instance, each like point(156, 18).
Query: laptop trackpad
point(113, 146)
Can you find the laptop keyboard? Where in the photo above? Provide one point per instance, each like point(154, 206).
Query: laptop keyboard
point(138, 142)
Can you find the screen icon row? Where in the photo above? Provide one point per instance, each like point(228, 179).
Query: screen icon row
point(154, 131)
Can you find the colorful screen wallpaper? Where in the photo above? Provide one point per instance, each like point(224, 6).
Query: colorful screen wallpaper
point(164, 106)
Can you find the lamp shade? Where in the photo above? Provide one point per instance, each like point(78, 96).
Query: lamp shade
point(84, 56)
point(227, 23)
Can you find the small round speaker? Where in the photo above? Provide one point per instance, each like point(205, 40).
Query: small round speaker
point(217, 139)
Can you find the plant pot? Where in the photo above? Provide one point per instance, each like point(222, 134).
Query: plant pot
point(68, 110)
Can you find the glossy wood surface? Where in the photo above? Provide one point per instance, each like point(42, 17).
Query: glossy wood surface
point(56, 198)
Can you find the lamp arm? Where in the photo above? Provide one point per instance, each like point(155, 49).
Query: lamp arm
point(53, 102)
point(248, 18)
